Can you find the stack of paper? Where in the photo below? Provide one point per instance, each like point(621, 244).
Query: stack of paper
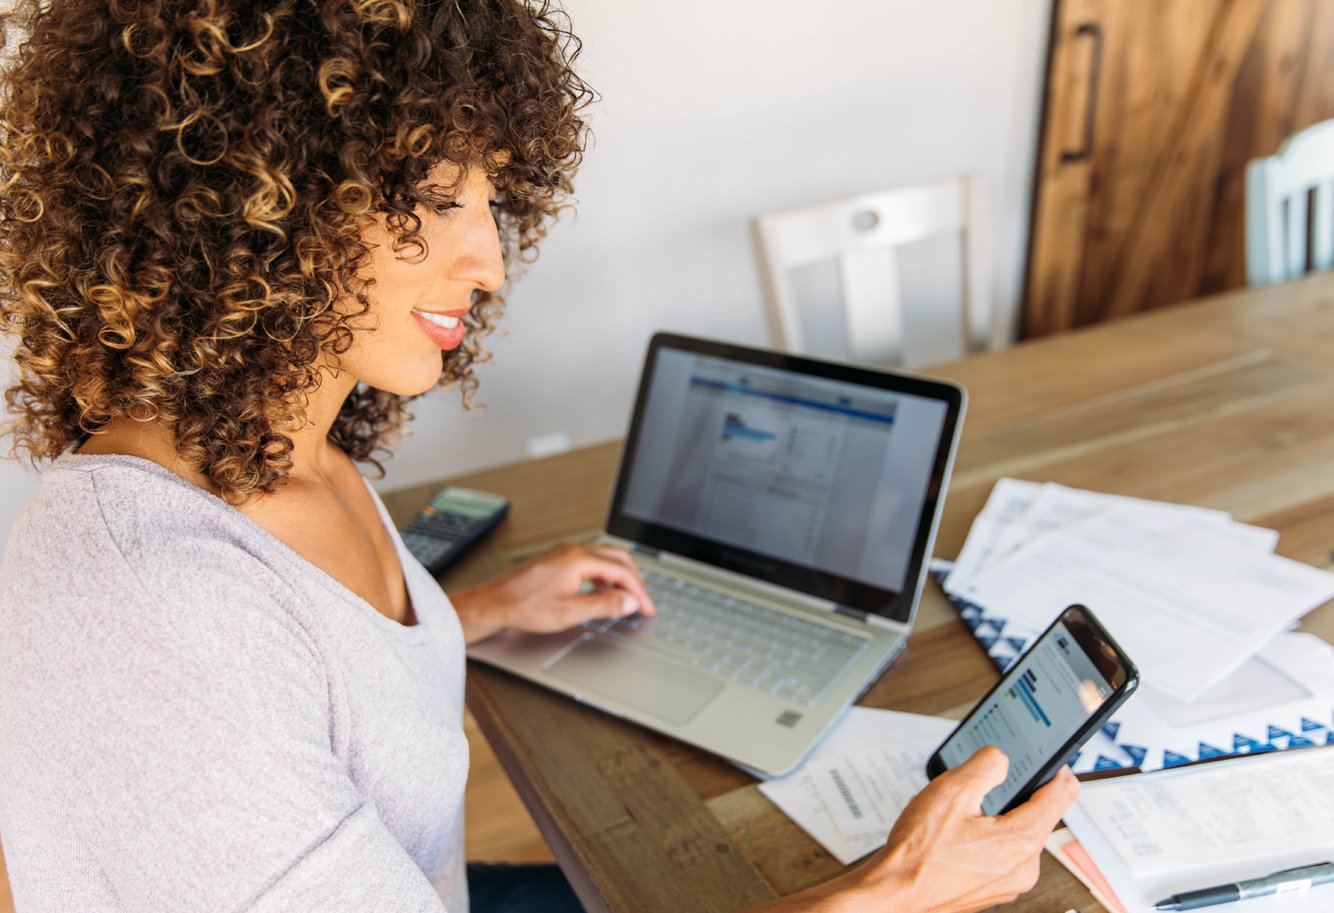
point(1199, 601)
point(1071, 854)
point(1161, 834)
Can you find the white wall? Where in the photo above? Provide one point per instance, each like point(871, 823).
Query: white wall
point(17, 483)
point(17, 480)
point(713, 110)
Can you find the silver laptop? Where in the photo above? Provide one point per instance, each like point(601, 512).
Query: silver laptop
point(782, 511)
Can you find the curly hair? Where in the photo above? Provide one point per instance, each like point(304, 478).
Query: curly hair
point(184, 187)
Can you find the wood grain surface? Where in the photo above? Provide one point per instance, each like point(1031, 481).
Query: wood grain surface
point(1225, 403)
point(1152, 110)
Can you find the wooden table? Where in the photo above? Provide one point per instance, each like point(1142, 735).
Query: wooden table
point(1227, 403)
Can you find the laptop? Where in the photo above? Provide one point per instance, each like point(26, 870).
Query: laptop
point(782, 510)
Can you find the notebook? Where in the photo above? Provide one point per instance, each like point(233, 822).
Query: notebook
point(782, 510)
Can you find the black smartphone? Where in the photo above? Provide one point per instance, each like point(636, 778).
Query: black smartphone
point(1045, 707)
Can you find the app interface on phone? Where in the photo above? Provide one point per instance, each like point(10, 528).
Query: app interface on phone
point(1045, 698)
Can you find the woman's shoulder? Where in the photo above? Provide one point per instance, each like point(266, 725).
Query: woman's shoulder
point(120, 578)
point(118, 513)
point(117, 540)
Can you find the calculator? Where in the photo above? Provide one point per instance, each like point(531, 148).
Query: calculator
point(454, 521)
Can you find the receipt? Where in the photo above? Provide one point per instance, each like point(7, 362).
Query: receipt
point(861, 730)
point(866, 791)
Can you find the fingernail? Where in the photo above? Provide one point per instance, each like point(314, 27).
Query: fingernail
point(629, 605)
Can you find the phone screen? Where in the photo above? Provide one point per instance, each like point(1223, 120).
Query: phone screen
point(1042, 702)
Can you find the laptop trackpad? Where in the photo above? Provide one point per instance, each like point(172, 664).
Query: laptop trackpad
point(640, 678)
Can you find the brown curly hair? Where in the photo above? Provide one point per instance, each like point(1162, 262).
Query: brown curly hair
point(184, 188)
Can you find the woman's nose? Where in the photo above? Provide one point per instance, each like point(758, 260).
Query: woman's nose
point(481, 261)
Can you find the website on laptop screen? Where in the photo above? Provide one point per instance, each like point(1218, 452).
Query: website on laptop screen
point(819, 473)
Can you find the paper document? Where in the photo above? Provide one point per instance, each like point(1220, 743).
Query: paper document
point(1155, 835)
point(1017, 512)
point(1194, 817)
point(1189, 600)
point(1283, 697)
point(862, 729)
point(1057, 506)
point(866, 791)
point(1009, 500)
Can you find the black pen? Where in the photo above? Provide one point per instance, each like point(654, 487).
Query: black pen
point(1298, 879)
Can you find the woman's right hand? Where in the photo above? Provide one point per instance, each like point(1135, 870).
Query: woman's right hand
point(944, 855)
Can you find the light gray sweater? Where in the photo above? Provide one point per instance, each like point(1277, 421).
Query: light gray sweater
point(193, 717)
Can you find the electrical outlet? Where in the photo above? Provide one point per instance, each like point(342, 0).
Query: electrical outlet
point(546, 445)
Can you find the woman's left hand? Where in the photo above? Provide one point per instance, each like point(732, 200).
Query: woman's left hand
point(552, 592)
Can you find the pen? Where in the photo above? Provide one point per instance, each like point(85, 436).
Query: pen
point(1298, 879)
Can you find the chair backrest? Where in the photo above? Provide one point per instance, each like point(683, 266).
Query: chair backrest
point(860, 233)
point(1278, 193)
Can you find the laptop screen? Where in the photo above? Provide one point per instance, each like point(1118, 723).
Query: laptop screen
point(819, 477)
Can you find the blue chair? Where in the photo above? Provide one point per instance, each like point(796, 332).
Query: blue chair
point(1279, 190)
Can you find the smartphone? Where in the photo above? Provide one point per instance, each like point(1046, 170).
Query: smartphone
point(1045, 707)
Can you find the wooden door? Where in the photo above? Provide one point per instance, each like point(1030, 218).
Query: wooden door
point(1152, 110)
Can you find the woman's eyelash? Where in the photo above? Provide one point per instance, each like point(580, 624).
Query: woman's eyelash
point(441, 207)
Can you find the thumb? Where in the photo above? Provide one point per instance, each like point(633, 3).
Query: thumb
point(980, 774)
point(1047, 804)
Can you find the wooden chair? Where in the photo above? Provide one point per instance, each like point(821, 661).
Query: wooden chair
point(1279, 192)
point(861, 234)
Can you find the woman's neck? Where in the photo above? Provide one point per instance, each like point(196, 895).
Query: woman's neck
point(312, 455)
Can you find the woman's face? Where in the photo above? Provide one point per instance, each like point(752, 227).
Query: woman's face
point(417, 304)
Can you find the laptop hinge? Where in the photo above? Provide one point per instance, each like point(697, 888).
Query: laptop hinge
point(645, 550)
point(856, 614)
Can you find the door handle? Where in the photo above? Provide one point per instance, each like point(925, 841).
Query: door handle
point(1094, 33)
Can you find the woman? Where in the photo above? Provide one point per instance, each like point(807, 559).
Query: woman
point(236, 240)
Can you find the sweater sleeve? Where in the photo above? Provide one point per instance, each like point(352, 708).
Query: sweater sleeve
point(178, 742)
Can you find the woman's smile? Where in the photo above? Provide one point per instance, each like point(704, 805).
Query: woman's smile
point(444, 328)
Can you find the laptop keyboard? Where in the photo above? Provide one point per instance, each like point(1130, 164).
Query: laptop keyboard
point(757, 646)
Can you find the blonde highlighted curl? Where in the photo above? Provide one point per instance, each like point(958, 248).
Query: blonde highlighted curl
point(184, 188)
